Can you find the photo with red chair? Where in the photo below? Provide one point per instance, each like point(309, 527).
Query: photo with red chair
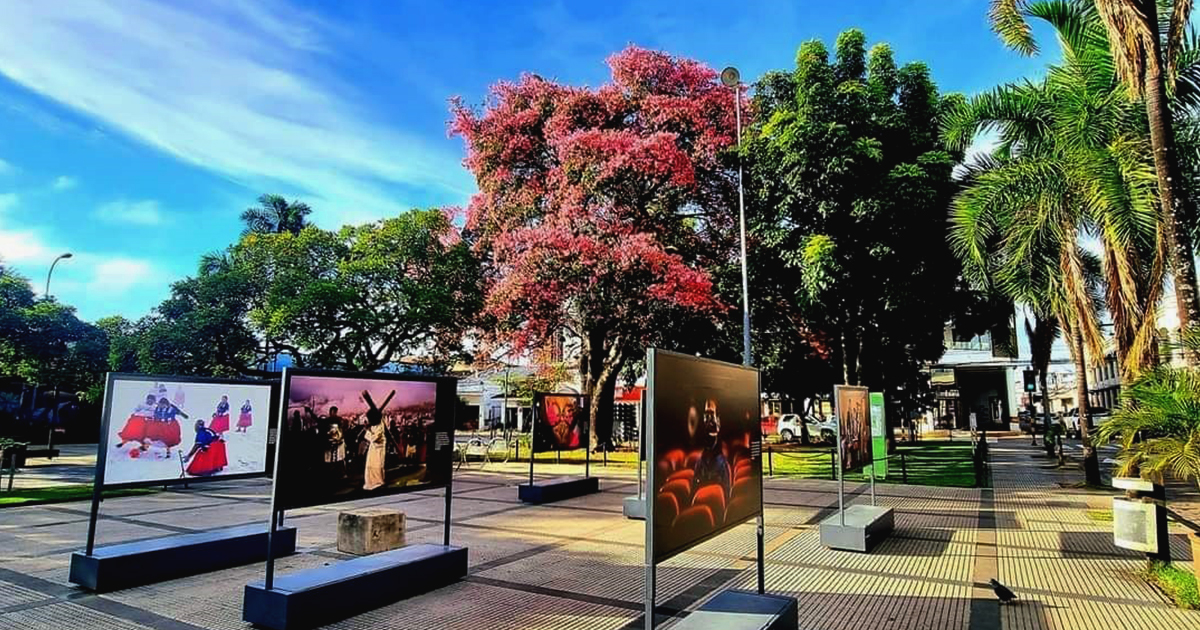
point(707, 470)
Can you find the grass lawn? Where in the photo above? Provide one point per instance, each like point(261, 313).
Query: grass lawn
point(932, 463)
point(59, 494)
point(1178, 583)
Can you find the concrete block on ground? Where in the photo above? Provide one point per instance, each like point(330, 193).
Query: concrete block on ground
point(370, 530)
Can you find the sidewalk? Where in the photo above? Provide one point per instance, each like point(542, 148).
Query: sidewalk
point(1062, 563)
point(578, 563)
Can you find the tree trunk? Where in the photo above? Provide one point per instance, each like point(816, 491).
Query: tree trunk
point(1091, 463)
point(1175, 204)
point(600, 412)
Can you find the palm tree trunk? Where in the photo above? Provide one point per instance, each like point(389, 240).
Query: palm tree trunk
point(1175, 204)
point(1091, 463)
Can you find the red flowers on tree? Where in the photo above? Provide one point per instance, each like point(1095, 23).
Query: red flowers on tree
point(601, 209)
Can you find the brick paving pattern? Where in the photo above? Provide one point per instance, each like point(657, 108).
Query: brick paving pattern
point(578, 563)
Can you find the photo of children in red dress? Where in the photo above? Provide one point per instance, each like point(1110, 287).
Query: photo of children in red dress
point(707, 470)
point(147, 439)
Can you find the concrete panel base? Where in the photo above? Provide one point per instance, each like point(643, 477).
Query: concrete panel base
point(126, 565)
point(743, 610)
point(634, 508)
point(558, 489)
point(864, 526)
point(322, 595)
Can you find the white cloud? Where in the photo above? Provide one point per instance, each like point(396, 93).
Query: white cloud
point(8, 201)
point(145, 212)
point(63, 182)
point(243, 89)
point(97, 283)
point(23, 246)
point(5, 167)
point(120, 275)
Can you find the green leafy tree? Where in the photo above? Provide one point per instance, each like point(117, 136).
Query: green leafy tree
point(848, 189)
point(276, 215)
point(124, 336)
point(202, 329)
point(43, 342)
point(365, 296)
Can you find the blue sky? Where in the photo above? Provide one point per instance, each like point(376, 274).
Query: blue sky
point(133, 133)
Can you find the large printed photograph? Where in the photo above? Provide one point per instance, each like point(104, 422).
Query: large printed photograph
point(350, 436)
point(164, 429)
point(707, 442)
point(561, 422)
point(851, 407)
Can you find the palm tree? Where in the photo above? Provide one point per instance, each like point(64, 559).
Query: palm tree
point(1148, 67)
point(276, 215)
point(1072, 161)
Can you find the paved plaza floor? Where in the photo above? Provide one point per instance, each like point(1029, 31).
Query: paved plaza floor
point(578, 563)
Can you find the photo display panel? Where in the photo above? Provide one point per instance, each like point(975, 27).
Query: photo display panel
point(562, 422)
point(707, 462)
point(166, 429)
point(852, 415)
point(349, 436)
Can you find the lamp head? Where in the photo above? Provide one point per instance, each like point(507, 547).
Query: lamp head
point(730, 76)
point(67, 255)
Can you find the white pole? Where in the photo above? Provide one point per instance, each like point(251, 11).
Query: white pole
point(737, 107)
point(841, 480)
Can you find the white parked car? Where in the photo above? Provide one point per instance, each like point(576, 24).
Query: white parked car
point(818, 430)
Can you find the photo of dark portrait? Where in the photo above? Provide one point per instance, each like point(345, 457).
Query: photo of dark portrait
point(707, 442)
point(561, 422)
point(850, 407)
point(351, 436)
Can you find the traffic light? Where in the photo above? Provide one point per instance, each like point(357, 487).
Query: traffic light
point(1030, 381)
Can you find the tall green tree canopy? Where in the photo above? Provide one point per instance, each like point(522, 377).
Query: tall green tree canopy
point(43, 342)
point(849, 188)
point(364, 296)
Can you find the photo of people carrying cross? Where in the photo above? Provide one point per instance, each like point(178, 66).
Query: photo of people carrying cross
point(352, 436)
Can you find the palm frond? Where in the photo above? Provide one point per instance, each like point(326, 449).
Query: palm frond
point(1181, 14)
point(1008, 21)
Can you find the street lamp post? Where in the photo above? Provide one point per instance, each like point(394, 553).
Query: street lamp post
point(54, 399)
point(62, 256)
point(732, 79)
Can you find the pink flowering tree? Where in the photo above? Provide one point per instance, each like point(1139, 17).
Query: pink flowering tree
point(601, 210)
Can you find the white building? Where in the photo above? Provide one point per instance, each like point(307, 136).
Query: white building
point(978, 376)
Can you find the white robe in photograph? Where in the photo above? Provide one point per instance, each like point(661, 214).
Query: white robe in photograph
point(377, 440)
